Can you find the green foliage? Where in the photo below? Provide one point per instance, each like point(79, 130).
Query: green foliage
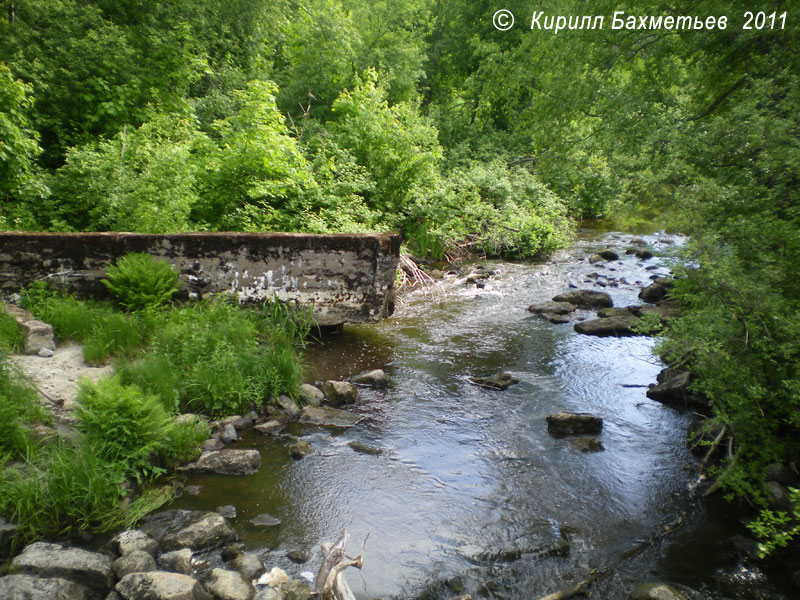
point(12, 337)
point(253, 173)
point(141, 282)
point(142, 179)
point(394, 143)
point(777, 529)
point(63, 488)
point(20, 179)
point(502, 211)
point(134, 430)
point(102, 331)
point(215, 358)
point(19, 408)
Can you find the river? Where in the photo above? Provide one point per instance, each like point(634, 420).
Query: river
point(471, 494)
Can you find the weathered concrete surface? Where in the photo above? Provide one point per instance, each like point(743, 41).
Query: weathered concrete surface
point(343, 277)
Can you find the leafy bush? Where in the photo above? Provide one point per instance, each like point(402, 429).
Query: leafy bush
point(133, 429)
point(140, 281)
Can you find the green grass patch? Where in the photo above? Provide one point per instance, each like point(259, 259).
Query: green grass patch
point(103, 332)
point(65, 487)
point(19, 408)
point(216, 359)
point(11, 336)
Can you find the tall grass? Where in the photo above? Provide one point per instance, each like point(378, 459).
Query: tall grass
point(102, 331)
point(62, 488)
point(11, 336)
point(210, 357)
point(217, 359)
point(19, 407)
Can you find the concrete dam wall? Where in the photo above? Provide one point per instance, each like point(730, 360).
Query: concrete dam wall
point(345, 278)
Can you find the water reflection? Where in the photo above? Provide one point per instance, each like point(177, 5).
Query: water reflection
point(470, 485)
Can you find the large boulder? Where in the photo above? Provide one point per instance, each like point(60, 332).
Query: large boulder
point(620, 326)
point(375, 378)
point(135, 561)
point(160, 585)
point(672, 389)
point(179, 561)
point(657, 290)
point(133, 539)
point(177, 529)
point(226, 462)
point(90, 569)
point(287, 406)
point(229, 585)
point(585, 298)
point(300, 449)
point(311, 395)
point(550, 307)
point(327, 417)
point(656, 591)
point(339, 393)
point(38, 335)
point(30, 587)
point(249, 565)
point(565, 423)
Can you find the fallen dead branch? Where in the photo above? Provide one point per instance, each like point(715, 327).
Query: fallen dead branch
point(330, 584)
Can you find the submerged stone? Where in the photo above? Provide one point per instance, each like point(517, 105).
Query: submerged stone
point(565, 423)
point(500, 381)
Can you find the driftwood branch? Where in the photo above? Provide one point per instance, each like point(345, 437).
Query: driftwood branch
point(330, 584)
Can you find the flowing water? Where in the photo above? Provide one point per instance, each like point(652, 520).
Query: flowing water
point(471, 494)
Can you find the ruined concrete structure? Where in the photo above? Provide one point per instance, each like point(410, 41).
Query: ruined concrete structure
point(345, 278)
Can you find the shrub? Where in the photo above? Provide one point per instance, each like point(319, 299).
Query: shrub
point(139, 281)
point(132, 429)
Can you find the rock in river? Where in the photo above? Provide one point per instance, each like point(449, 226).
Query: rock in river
point(265, 520)
point(656, 591)
point(557, 308)
point(375, 378)
point(160, 585)
point(564, 423)
point(177, 529)
point(226, 462)
point(29, 587)
point(327, 417)
point(620, 326)
point(672, 389)
point(339, 393)
point(585, 298)
point(500, 381)
point(230, 585)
